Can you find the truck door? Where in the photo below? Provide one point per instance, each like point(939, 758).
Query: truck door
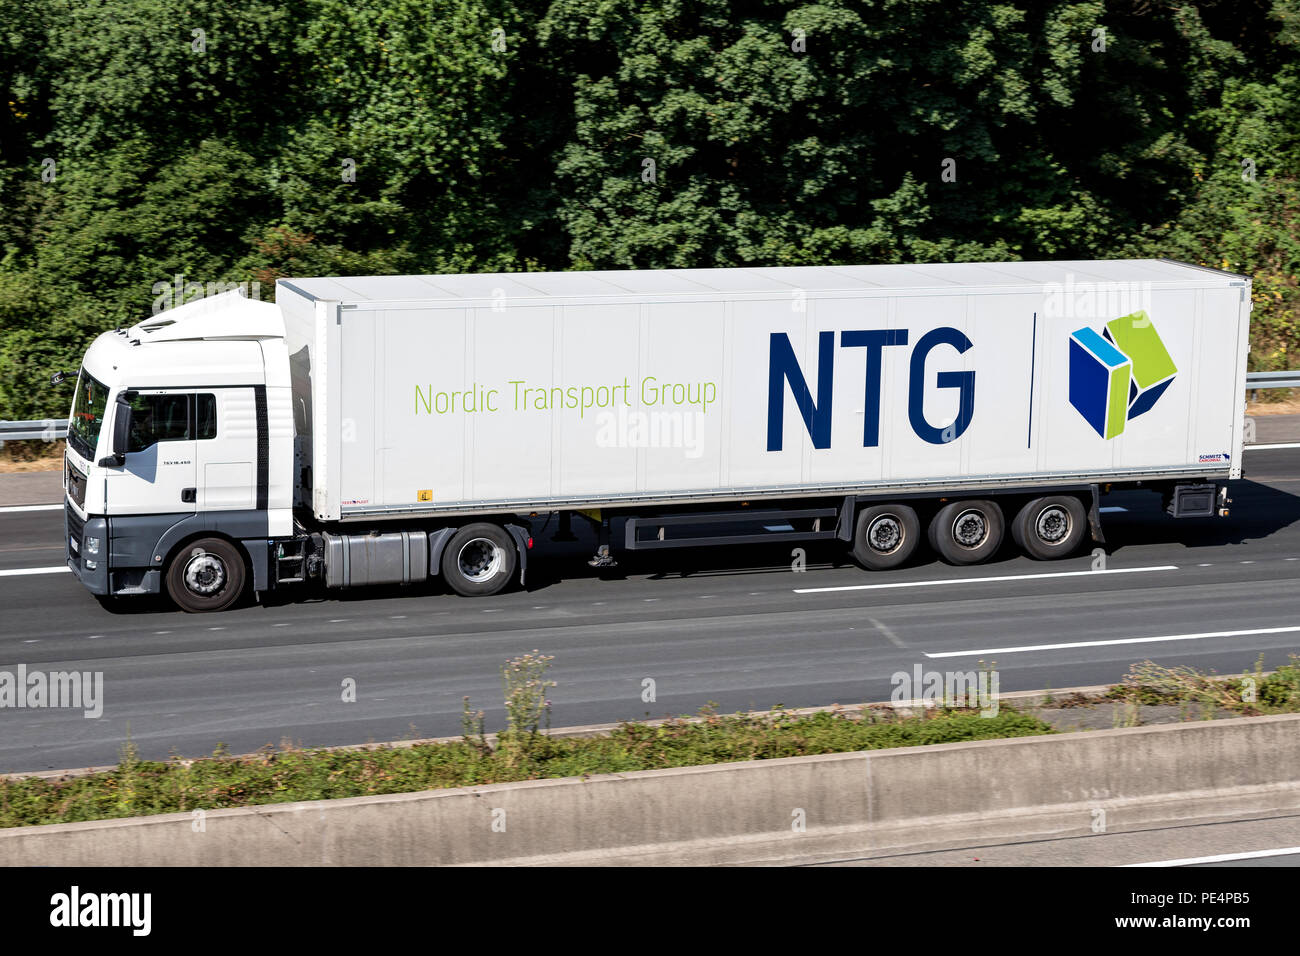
point(227, 449)
point(158, 474)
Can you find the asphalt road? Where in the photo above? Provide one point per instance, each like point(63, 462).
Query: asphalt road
point(728, 626)
point(1256, 840)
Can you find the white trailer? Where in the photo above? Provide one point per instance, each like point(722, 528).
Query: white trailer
point(390, 428)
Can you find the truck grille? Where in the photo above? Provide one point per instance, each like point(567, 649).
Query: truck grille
point(75, 528)
point(76, 484)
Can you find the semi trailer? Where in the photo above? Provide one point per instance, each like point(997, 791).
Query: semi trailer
point(390, 429)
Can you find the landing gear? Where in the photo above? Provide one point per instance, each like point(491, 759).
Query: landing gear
point(602, 558)
point(565, 531)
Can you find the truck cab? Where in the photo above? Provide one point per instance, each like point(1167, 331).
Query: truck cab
point(179, 455)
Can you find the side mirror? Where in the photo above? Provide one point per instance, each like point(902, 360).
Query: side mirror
point(121, 434)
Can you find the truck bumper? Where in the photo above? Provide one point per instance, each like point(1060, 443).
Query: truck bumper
point(102, 572)
point(91, 569)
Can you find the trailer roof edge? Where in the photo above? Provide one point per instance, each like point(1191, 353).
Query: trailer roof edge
point(1195, 265)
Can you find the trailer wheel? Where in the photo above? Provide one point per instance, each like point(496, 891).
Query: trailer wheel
point(885, 536)
point(967, 532)
point(206, 575)
point(1050, 527)
point(479, 559)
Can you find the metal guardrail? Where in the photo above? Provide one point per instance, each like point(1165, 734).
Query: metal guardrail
point(47, 429)
point(1273, 379)
point(50, 429)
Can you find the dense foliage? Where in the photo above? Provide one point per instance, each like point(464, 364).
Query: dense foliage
point(145, 139)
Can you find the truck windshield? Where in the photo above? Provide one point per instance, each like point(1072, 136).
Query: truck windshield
point(87, 414)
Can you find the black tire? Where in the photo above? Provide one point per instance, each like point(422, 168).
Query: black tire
point(885, 536)
point(206, 575)
point(479, 559)
point(1050, 527)
point(967, 532)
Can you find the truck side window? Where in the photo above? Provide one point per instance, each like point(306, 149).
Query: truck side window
point(156, 418)
point(206, 416)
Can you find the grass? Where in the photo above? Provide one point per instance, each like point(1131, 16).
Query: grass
point(1249, 695)
point(1275, 401)
point(140, 788)
point(21, 457)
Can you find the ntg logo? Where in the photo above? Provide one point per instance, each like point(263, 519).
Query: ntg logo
point(1117, 375)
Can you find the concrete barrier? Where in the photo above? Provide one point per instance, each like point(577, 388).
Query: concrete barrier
point(849, 804)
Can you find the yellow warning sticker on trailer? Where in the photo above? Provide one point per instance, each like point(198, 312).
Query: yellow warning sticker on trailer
point(424, 494)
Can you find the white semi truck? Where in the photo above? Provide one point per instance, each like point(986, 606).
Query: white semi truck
point(386, 429)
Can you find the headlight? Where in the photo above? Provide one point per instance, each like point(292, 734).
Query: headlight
point(92, 545)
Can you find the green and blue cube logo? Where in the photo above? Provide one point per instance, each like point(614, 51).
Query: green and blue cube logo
point(1119, 373)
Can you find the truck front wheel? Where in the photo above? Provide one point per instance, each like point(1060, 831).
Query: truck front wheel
point(967, 532)
point(479, 559)
point(885, 536)
point(1050, 527)
point(206, 575)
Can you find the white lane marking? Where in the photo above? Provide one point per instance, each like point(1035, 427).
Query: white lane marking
point(1000, 577)
point(15, 572)
point(1221, 857)
point(1279, 444)
point(13, 509)
point(1126, 640)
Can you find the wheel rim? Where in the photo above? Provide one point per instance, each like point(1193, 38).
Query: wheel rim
point(480, 560)
point(205, 574)
point(970, 529)
point(885, 534)
point(1053, 525)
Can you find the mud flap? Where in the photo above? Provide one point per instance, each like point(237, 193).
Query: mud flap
point(1094, 515)
point(523, 542)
